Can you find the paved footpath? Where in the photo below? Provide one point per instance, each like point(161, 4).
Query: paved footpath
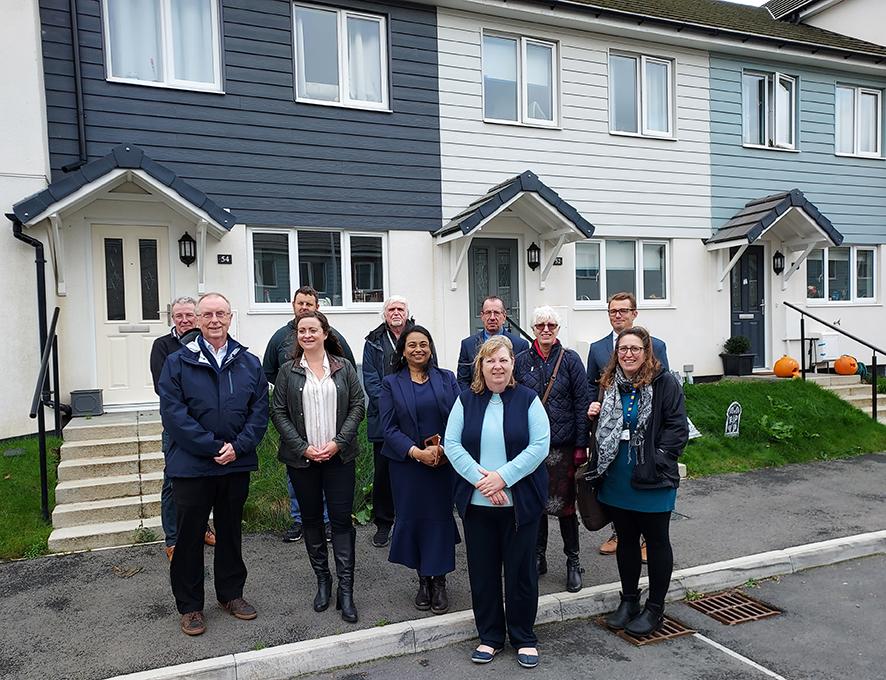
point(104, 613)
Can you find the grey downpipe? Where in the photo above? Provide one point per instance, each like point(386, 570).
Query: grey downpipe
point(78, 91)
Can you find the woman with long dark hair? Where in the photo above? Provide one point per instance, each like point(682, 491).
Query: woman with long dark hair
point(414, 406)
point(641, 432)
point(317, 408)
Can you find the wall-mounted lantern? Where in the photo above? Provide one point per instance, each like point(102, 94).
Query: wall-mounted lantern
point(533, 256)
point(187, 249)
point(778, 262)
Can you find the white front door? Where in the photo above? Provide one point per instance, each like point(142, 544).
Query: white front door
point(131, 269)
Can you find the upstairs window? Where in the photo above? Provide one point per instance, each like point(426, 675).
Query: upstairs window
point(519, 80)
point(174, 43)
point(841, 274)
point(340, 57)
point(858, 121)
point(640, 95)
point(769, 110)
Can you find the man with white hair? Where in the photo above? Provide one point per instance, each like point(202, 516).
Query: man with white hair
point(378, 353)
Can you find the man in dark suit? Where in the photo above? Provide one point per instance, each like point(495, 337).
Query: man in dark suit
point(622, 312)
point(493, 315)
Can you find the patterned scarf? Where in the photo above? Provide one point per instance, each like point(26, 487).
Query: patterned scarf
point(611, 421)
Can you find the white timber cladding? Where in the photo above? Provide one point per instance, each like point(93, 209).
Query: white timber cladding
point(625, 186)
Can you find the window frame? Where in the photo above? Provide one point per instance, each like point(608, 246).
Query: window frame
point(523, 117)
point(341, 32)
point(347, 287)
point(641, 96)
point(857, 92)
point(854, 299)
point(639, 286)
point(168, 55)
point(771, 106)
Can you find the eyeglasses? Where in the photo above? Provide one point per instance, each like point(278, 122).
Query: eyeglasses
point(209, 316)
point(621, 312)
point(622, 351)
point(182, 317)
point(542, 326)
point(492, 312)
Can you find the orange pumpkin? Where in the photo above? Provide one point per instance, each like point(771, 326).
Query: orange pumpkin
point(786, 367)
point(846, 365)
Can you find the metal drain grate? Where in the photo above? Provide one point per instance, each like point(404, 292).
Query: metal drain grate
point(670, 629)
point(732, 607)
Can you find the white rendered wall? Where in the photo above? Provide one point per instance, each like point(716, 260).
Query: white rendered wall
point(862, 19)
point(23, 171)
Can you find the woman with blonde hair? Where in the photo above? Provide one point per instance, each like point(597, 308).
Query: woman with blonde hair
point(497, 437)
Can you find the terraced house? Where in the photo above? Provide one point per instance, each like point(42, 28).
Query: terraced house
point(713, 158)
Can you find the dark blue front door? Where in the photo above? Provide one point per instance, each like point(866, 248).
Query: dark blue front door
point(748, 300)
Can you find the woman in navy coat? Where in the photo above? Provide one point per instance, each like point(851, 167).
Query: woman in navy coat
point(414, 407)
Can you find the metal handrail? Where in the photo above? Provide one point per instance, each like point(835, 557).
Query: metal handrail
point(874, 350)
point(514, 324)
point(42, 398)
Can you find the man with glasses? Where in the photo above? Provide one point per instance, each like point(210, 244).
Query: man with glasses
point(622, 312)
point(492, 313)
point(214, 405)
point(184, 319)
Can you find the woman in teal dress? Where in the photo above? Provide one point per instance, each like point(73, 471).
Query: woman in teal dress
point(641, 432)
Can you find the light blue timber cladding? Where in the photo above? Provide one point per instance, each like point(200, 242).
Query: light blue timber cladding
point(851, 192)
point(253, 149)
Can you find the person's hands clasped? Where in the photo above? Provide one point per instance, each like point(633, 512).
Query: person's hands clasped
point(593, 409)
point(491, 484)
point(321, 454)
point(226, 454)
point(428, 456)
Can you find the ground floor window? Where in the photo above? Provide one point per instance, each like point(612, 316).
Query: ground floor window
point(613, 265)
point(841, 274)
point(348, 269)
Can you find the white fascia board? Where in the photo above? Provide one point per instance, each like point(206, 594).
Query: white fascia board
point(636, 27)
point(174, 200)
point(440, 240)
point(83, 196)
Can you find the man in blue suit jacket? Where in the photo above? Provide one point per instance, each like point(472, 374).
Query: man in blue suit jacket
point(493, 315)
point(622, 312)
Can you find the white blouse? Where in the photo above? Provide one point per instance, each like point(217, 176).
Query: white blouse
point(319, 403)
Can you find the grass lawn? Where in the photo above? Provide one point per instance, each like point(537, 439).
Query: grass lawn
point(22, 529)
point(788, 421)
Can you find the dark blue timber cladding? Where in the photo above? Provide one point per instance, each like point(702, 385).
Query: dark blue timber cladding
point(253, 149)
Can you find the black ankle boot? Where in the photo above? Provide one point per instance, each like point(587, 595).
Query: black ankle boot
point(541, 563)
point(569, 531)
point(315, 544)
point(423, 596)
point(647, 621)
point(439, 599)
point(343, 551)
point(628, 608)
point(573, 574)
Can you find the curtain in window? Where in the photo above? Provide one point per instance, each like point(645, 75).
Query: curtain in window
point(654, 271)
point(364, 60)
point(623, 90)
point(539, 85)
point(620, 267)
point(587, 271)
point(845, 120)
point(192, 48)
point(316, 43)
point(135, 38)
point(500, 78)
point(864, 274)
point(270, 260)
point(868, 122)
point(784, 109)
point(657, 112)
point(754, 109)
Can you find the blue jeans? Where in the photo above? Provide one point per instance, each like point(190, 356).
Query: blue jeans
point(167, 504)
point(293, 505)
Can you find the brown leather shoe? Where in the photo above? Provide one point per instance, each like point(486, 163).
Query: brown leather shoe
point(610, 546)
point(643, 551)
point(209, 537)
point(169, 550)
point(193, 623)
point(239, 608)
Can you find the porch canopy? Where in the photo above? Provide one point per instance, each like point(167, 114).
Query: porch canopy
point(788, 219)
point(526, 197)
point(127, 169)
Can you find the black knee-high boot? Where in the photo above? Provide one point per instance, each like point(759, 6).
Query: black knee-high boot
point(318, 555)
point(343, 548)
point(569, 531)
point(541, 546)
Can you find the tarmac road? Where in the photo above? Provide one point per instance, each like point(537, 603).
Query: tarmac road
point(832, 628)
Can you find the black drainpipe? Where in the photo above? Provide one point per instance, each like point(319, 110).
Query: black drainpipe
point(78, 92)
point(40, 262)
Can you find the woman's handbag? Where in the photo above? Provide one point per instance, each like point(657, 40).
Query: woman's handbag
point(591, 511)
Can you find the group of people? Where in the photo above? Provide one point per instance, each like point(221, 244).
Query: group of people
point(500, 441)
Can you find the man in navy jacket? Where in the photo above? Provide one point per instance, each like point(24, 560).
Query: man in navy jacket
point(214, 406)
point(493, 315)
point(622, 311)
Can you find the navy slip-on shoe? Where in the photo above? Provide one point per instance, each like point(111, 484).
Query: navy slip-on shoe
point(484, 657)
point(527, 660)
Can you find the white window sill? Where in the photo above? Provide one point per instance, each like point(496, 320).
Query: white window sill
point(664, 138)
point(358, 106)
point(770, 148)
point(329, 311)
point(860, 156)
point(190, 87)
point(526, 124)
point(820, 304)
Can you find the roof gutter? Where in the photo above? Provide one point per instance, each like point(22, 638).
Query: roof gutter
point(78, 92)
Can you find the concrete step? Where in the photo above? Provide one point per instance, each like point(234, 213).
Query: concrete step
point(862, 401)
point(150, 443)
point(111, 510)
point(109, 466)
point(881, 409)
point(122, 446)
point(116, 486)
point(825, 379)
point(105, 534)
point(79, 430)
point(844, 391)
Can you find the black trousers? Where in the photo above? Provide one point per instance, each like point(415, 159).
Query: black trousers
point(195, 497)
point(333, 478)
point(382, 496)
point(655, 528)
point(493, 542)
